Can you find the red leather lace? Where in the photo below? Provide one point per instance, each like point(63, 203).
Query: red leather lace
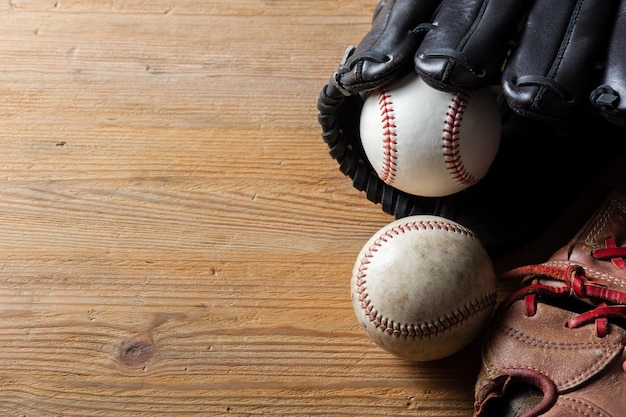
point(573, 282)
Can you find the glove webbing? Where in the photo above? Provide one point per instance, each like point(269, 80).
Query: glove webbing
point(348, 152)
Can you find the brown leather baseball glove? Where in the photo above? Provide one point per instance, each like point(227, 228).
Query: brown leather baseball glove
point(556, 346)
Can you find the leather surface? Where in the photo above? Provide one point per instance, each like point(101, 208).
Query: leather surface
point(613, 80)
point(550, 72)
point(468, 45)
point(386, 49)
point(578, 368)
point(550, 58)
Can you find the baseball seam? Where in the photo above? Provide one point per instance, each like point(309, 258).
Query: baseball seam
point(423, 329)
point(451, 137)
point(390, 151)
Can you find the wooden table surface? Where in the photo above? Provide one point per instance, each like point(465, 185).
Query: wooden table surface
point(174, 238)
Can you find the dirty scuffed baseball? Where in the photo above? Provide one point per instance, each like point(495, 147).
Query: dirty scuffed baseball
point(423, 287)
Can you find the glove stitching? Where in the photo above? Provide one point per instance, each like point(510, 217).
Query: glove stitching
point(533, 341)
point(612, 207)
point(559, 57)
point(567, 384)
point(577, 406)
point(494, 371)
point(463, 42)
point(474, 26)
point(378, 9)
point(610, 351)
point(591, 272)
point(383, 28)
point(566, 39)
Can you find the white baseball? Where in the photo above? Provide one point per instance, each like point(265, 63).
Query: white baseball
point(428, 142)
point(423, 287)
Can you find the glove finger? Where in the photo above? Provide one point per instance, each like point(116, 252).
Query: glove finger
point(610, 97)
point(550, 72)
point(387, 48)
point(469, 42)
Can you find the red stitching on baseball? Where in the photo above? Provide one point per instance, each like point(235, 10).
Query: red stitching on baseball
point(422, 329)
point(388, 171)
point(451, 137)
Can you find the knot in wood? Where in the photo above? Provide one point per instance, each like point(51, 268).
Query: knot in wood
point(136, 352)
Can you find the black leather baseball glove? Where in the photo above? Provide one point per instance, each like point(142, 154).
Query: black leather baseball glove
point(551, 57)
point(547, 57)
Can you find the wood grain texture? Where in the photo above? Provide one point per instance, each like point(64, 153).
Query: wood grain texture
point(174, 238)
